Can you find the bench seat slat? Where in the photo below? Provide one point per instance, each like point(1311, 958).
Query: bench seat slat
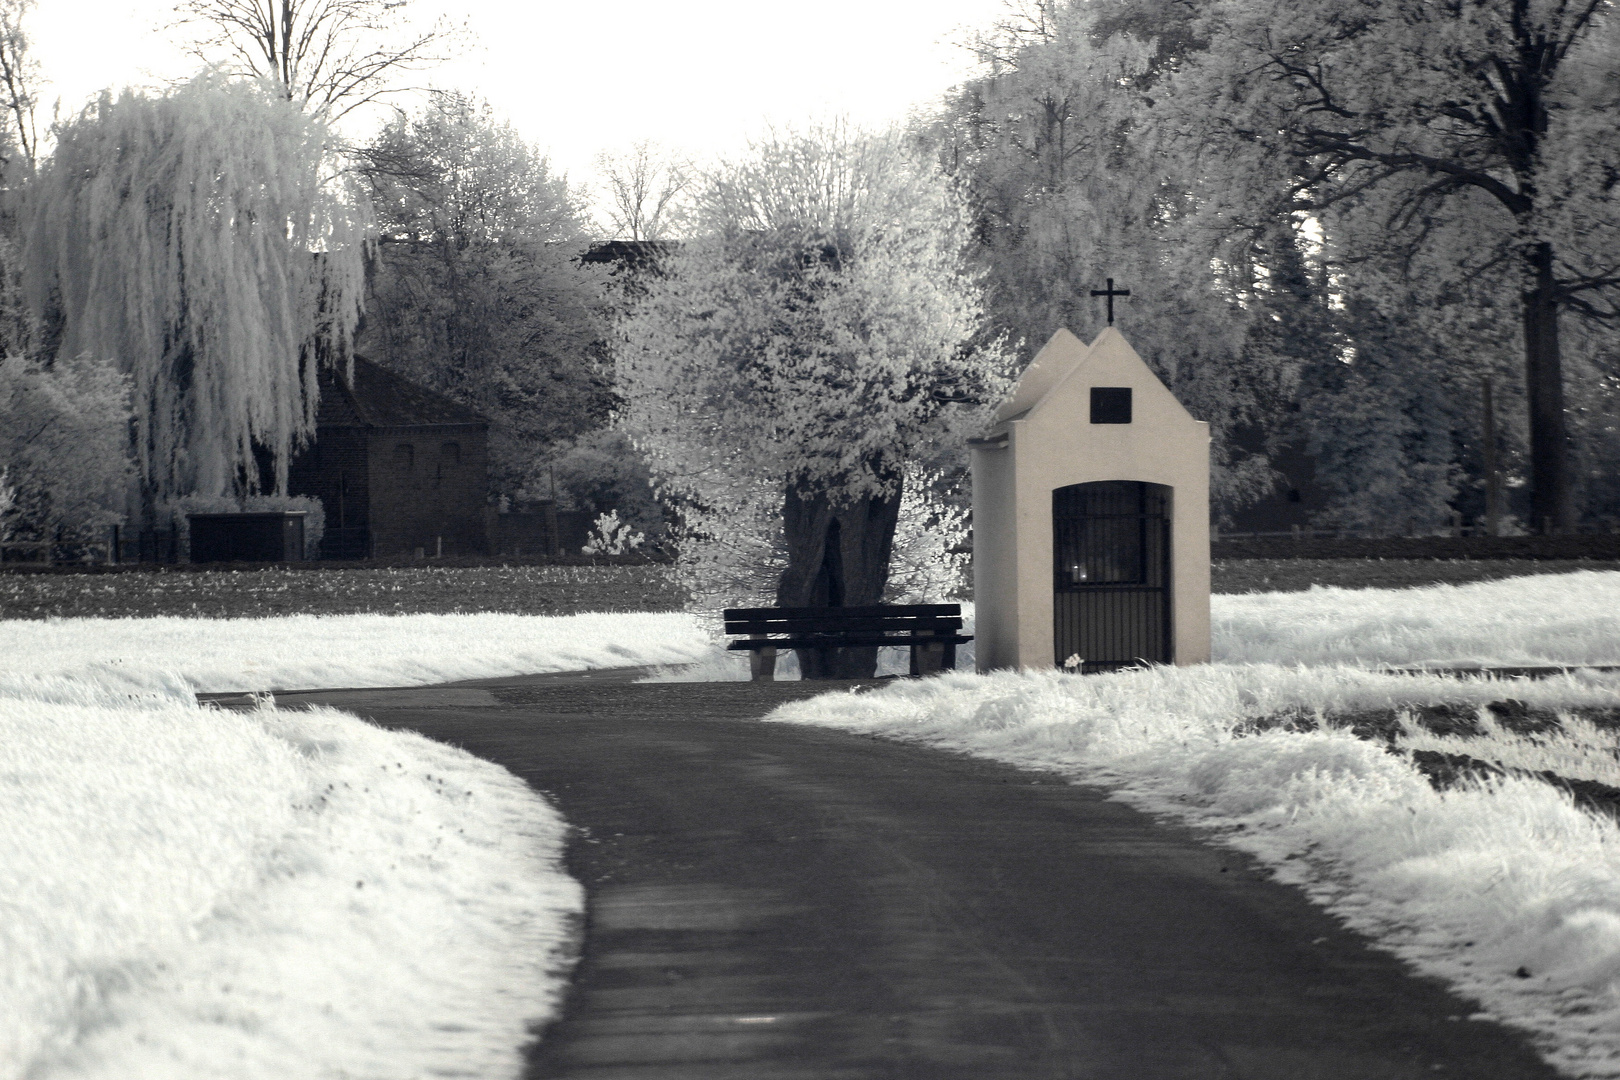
point(843, 640)
point(731, 614)
point(811, 626)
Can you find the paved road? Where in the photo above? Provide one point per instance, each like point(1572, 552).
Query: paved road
point(770, 902)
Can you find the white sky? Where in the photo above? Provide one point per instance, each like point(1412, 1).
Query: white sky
point(578, 78)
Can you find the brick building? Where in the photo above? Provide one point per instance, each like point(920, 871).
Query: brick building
point(397, 467)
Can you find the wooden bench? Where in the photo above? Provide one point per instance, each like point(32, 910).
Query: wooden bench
point(932, 631)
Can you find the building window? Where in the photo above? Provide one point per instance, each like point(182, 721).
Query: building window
point(1110, 404)
point(450, 455)
point(405, 457)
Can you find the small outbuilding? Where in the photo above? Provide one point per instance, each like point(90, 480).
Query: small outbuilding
point(399, 468)
point(1091, 517)
point(254, 536)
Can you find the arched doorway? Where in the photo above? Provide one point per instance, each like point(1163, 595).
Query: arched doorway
point(1111, 561)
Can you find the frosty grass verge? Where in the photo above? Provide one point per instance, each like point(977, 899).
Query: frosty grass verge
point(303, 894)
point(325, 652)
point(300, 894)
point(1474, 885)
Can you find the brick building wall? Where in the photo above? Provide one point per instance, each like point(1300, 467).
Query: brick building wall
point(427, 490)
point(397, 467)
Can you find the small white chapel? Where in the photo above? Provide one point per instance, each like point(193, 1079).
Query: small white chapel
point(1091, 517)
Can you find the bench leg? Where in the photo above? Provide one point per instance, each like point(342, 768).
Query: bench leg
point(762, 665)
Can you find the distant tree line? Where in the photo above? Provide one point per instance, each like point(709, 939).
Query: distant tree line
point(1337, 222)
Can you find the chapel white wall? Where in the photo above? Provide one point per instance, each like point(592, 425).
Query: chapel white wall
point(995, 561)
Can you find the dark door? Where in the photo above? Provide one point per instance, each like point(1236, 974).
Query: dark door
point(1111, 555)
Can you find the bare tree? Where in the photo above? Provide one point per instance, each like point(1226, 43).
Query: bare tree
point(331, 56)
point(19, 73)
point(644, 183)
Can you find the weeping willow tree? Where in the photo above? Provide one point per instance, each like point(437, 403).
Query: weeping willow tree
point(203, 243)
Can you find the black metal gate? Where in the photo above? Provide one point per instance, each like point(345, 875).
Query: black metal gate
point(1111, 557)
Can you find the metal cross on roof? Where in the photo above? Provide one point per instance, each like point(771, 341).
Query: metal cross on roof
point(1110, 292)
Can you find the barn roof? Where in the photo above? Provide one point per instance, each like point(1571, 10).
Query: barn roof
point(380, 399)
point(635, 254)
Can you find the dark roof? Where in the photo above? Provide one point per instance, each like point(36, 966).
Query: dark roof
point(635, 254)
point(380, 399)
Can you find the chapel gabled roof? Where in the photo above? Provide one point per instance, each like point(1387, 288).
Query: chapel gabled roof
point(378, 398)
point(1066, 360)
point(1110, 356)
point(1059, 356)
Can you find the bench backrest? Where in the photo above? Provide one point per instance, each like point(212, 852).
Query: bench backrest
point(904, 618)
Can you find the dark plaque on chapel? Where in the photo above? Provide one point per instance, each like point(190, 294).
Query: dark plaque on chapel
point(1110, 404)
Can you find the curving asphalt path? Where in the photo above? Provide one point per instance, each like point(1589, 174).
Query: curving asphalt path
point(769, 901)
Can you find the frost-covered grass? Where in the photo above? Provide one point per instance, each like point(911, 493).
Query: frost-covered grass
point(344, 589)
point(1542, 620)
point(1577, 749)
point(310, 652)
point(1523, 621)
point(191, 892)
point(1564, 619)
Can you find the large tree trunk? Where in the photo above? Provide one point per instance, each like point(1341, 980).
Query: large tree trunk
point(1552, 503)
point(838, 556)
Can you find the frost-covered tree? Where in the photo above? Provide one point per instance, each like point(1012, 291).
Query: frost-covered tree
point(328, 56)
point(815, 335)
point(199, 242)
point(64, 446)
point(478, 290)
point(1061, 148)
point(931, 556)
point(1408, 112)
